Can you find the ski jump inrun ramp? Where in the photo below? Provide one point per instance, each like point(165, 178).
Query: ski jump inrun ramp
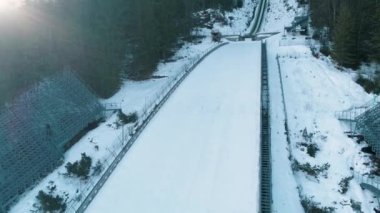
point(200, 153)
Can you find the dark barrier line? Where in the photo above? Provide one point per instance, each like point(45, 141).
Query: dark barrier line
point(265, 136)
point(284, 103)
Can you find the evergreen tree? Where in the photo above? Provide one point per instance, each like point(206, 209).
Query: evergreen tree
point(80, 168)
point(50, 203)
point(344, 40)
point(375, 41)
point(103, 41)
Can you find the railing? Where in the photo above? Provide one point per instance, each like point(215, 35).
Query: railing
point(354, 112)
point(111, 106)
point(350, 114)
point(126, 141)
point(292, 41)
point(354, 115)
point(369, 182)
point(265, 143)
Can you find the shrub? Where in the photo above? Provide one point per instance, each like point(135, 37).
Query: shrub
point(368, 85)
point(356, 206)
point(80, 168)
point(344, 184)
point(50, 203)
point(98, 168)
point(313, 207)
point(311, 148)
point(307, 136)
point(126, 119)
point(314, 171)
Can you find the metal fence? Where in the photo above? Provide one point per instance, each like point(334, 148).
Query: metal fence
point(369, 182)
point(294, 41)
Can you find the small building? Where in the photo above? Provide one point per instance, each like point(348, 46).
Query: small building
point(300, 26)
point(38, 127)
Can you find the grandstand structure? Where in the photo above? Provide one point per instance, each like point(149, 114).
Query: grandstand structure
point(38, 127)
point(368, 124)
point(364, 121)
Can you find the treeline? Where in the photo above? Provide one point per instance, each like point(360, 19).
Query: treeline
point(103, 41)
point(352, 26)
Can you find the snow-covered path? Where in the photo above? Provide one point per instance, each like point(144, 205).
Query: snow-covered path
point(201, 151)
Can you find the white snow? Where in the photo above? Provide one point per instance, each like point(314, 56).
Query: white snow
point(280, 13)
point(284, 191)
point(314, 90)
point(200, 153)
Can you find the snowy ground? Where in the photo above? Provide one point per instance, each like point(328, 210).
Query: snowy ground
point(132, 97)
point(285, 195)
point(284, 191)
point(200, 152)
point(314, 91)
point(280, 13)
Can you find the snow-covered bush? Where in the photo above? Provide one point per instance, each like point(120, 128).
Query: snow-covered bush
point(308, 137)
point(344, 184)
point(311, 206)
point(375, 165)
point(368, 85)
point(313, 171)
point(98, 168)
point(126, 119)
point(209, 17)
point(49, 202)
point(356, 206)
point(80, 169)
point(311, 148)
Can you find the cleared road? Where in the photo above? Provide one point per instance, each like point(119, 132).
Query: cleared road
point(201, 151)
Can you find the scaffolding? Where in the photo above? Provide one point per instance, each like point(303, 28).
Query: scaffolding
point(368, 124)
point(35, 128)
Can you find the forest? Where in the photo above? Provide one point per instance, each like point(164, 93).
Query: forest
point(103, 42)
point(349, 30)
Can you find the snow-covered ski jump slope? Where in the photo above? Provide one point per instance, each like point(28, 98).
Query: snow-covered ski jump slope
point(201, 151)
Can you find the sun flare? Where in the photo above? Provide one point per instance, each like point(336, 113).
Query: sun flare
point(9, 5)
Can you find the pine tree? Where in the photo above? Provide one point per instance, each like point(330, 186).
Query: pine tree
point(344, 40)
point(375, 41)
